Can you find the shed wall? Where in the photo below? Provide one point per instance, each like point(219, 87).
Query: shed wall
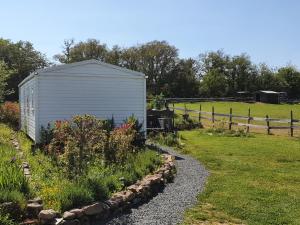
point(28, 107)
point(61, 97)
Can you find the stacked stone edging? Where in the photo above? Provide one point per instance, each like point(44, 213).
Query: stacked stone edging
point(133, 195)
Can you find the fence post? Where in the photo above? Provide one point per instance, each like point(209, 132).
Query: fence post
point(173, 119)
point(292, 120)
point(230, 118)
point(249, 120)
point(268, 124)
point(199, 118)
point(213, 116)
point(184, 108)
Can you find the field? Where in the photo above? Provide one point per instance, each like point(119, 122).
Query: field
point(253, 180)
point(240, 108)
point(280, 111)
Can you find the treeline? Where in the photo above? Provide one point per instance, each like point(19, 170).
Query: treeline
point(213, 74)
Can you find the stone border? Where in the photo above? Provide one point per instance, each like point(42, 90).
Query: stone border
point(121, 201)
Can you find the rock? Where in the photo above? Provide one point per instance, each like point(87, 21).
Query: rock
point(25, 165)
point(125, 195)
point(26, 172)
point(133, 188)
point(48, 215)
point(36, 200)
point(114, 202)
point(33, 209)
point(78, 212)
point(69, 215)
point(30, 222)
point(93, 209)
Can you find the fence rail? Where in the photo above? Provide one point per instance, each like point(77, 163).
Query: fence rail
point(291, 121)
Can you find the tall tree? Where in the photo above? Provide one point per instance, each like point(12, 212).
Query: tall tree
point(183, 80)
point(213, 84)
point(5, 73)
point(91, 49)
point(241, 74)
point(22, 58)
point(267, 80)
point(291, 78)
point(157, 60)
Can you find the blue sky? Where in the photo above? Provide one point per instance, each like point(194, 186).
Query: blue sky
point(268, 30)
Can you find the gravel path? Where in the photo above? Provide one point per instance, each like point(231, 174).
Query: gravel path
point(167, 207)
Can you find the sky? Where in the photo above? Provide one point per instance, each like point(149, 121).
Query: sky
point(267, 30)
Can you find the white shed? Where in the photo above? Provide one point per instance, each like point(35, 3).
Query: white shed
point(86, 87)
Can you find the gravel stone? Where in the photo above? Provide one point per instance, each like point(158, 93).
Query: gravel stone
point(168, 206)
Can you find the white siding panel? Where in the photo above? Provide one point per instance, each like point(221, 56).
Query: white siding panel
point(61, 96)
point(27, 107)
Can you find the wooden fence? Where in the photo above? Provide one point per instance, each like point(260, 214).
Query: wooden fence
point(292, 123)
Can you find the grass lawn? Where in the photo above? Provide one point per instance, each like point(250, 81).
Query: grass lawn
point(253, 180)
point(257, 110)
point(240, 108)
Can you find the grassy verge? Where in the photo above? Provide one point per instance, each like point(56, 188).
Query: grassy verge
point(253, 180)
point(14, 186)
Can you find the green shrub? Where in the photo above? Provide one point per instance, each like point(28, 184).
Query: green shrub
point(184, 122)
point(6, 220)
point(74, 196)
point(158, 102)
point(12, 196)
point(139, 135)
point(168, 139)
point(219, 131)
point(79, 142)
point(12, 178)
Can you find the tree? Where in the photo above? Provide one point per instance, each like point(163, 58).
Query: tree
point(291, 80)
point(213, 84)
point(22, 58)
point(157, 59)
point(183, 81)
point(241, 75)
point(266, 79)
point(66, 56)
point(91, 49)
point(5, 73)
point(114, 56)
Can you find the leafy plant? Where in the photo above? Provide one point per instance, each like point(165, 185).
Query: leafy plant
point(186, 123)
point(158, 102)
point(6, 220)
point(10, 114)
point(139, 137)
point(74, 196)
point(169, 139)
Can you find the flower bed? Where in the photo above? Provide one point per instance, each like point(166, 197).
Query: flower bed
point(111, 159)
point(120, 201)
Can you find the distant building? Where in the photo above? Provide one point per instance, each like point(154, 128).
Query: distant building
point(268, 97)
point(244, 94)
